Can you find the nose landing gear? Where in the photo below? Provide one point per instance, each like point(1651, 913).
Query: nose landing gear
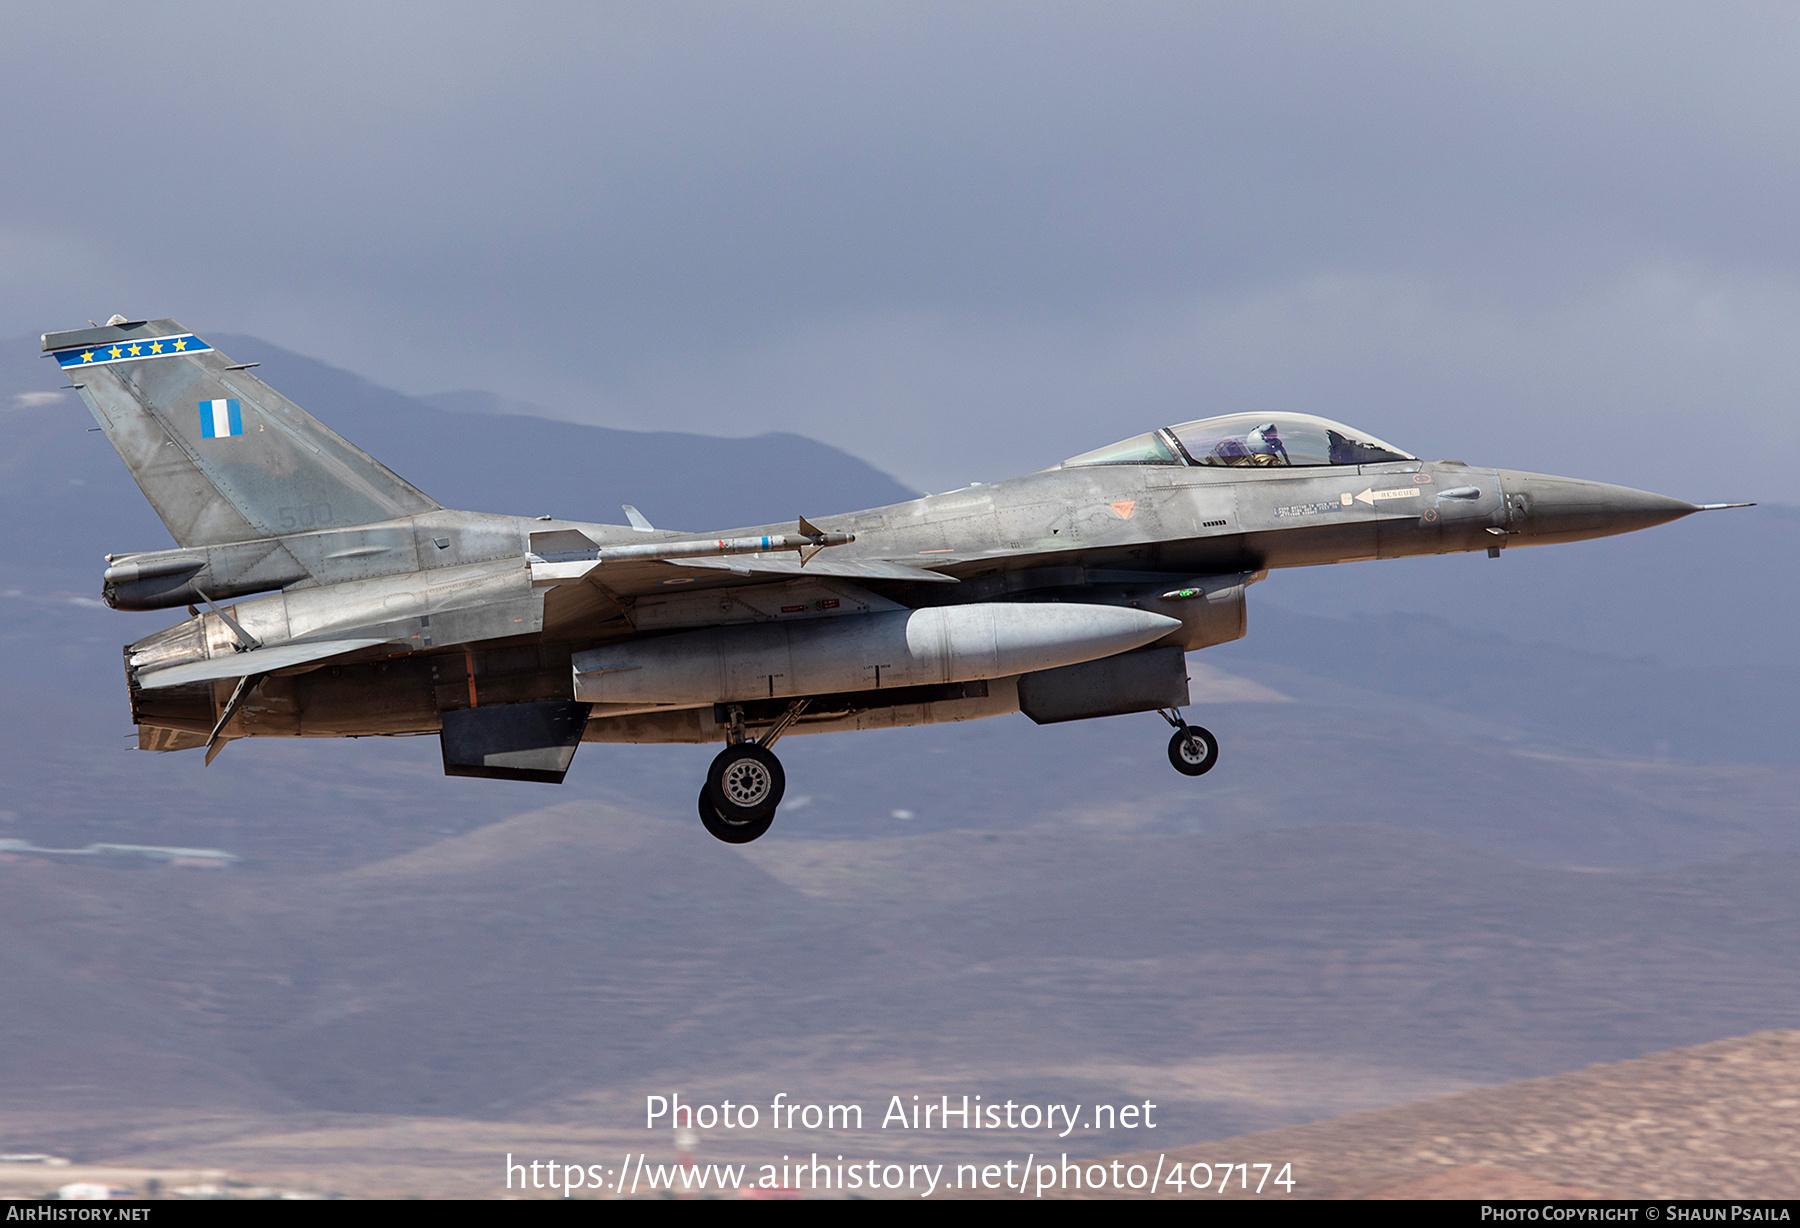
point(745, 783)
point(1192, 750)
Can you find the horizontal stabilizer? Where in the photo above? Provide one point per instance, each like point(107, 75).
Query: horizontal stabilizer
point(256, 661)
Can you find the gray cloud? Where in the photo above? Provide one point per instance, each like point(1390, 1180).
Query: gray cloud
point(959, 241)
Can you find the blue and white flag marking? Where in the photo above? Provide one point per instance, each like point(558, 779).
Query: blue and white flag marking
point(220, 418)
point(131, 351)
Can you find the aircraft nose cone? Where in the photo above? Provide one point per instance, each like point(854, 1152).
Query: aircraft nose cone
point(1548, 509)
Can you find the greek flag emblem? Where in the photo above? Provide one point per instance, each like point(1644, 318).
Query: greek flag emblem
point(220, 418)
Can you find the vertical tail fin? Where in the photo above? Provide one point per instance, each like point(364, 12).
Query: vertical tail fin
point(221, 456)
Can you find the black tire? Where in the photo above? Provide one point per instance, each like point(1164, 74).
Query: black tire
point(745, 782)
point(1193, 750)
point(731, 833)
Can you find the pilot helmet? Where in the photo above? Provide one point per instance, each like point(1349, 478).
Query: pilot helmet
point(1265, 441)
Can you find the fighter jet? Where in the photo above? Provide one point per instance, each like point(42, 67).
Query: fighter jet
point(328, 597)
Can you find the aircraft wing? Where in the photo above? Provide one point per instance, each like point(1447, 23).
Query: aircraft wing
point(580, 597)
point(637, 578)
point(563, 557)
point(255, 661)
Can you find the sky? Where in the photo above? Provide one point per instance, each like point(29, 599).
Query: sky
point(962, 241)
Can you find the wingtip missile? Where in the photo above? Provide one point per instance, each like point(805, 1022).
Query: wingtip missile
point(565, 565)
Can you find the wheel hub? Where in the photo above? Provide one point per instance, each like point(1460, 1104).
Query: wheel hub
point(746, 783)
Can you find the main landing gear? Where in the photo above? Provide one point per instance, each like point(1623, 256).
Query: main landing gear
point(1192, 750)
point(745, 782)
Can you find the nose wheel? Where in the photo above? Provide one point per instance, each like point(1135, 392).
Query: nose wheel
point(1192, 750)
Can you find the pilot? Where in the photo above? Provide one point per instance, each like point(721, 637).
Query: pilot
point(1231, 451)
point(1265, 446)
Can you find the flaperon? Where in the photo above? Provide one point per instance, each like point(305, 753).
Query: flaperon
point(1066, 594)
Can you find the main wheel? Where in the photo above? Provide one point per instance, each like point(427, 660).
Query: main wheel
point(746, 782)
point(1193, 750)
point(730, 833)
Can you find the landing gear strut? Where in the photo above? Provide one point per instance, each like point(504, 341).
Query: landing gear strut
point(745, 782)
point(1192, 750)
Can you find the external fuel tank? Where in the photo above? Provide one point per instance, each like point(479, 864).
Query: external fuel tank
point(864, 652)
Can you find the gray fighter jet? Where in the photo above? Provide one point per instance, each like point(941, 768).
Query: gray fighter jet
point(1066, 595)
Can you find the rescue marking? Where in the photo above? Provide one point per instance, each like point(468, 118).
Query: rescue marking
point(1124, 507)
point(1371, 496)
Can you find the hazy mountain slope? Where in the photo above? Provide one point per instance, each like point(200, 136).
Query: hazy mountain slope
point(1710, 1122)
point(585, 948)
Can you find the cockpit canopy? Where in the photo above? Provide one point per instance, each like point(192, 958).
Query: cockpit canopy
point(1296, 440)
